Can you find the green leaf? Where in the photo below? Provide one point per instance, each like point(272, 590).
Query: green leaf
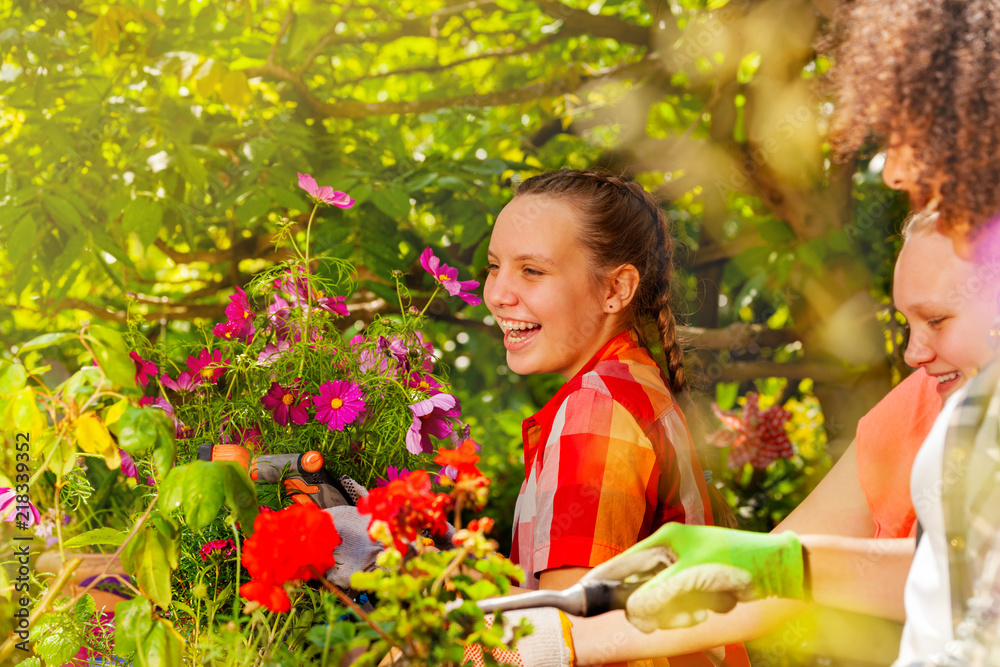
point(241, 494)
point(84, 608)
point(204, 493)
point(45, 340)
point(172, 489)
point(56, 639)
point(13, 378)
point(748, 67)
point(108, 536)
point(63, 213)
point(133, 621)
point(111, 352)
point(141, 428)
point(726, 394)
point(392, 201)
point(22, 238)
point(775, 231)
point(163, 646)
point(23, 414)
point(144, 216)
point(151, 565)
point(253, 207)
point(107, 244)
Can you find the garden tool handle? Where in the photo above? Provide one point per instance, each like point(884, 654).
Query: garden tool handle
point(590, 598)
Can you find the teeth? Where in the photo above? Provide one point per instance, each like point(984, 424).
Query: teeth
point(515, 325)
point(947, 378)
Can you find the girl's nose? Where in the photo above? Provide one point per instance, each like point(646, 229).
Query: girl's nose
point(895, 172)
point(497, 292)
point(918, 351)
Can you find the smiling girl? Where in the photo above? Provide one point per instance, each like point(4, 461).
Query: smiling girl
point(580, 262)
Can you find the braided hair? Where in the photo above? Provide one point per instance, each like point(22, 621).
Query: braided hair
point(621, 223)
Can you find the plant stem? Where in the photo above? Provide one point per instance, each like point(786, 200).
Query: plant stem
point(433, 294)
point(236, 586)
point(43, 605)
point(350, 604)
point(455, 563)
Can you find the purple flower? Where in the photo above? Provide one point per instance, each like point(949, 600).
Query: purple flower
point(325, 194)
point(460, 434)
point(448, 277)
point(427, 362)
point(271, 352)
point(369, 359)
point(339, 403)
point(143, 369)
point(186, 381)
point(425, 383)
point(286, 403)
point(181, 430)
point(431, 416)
point(209, 365)
point(128, 465)
point(393, 348)
point(392, 473)
point(10, 508)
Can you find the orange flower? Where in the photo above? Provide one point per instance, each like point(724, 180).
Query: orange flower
point(463, 458)
point(266, 593)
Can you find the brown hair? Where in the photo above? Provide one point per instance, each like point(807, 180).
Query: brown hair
point(622, 224)
point(929, 72)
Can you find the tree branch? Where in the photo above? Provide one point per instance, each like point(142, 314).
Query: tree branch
point(548, 88)
point(735, 336)
point(601, 25)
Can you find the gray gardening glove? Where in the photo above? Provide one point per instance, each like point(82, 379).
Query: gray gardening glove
point(357, 551)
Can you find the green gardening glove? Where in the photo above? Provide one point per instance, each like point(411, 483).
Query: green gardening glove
point(689, 570)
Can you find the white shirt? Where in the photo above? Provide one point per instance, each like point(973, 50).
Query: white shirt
point(927, 595)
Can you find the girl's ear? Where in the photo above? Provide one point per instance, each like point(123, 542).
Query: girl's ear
point(622, 285)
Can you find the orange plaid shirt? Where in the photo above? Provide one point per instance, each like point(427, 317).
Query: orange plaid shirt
point(607, 461)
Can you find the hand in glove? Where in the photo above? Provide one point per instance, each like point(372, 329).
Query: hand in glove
point(357, 551)
point(707, 568)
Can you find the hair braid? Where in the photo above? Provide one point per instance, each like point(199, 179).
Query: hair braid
point(624, 224)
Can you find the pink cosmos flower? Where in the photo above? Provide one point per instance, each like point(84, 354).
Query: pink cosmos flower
point(325, 194)
point(338, 404)
point(337, 305)
point(272, 351)
point(431, 416)
point(239, 326)
point(248, 436)
point(369, 359)
point(448, 277)
point(209, 365)
point(222, 548)
point(286, 403)
point(143, 369)
point(426, 383)
point(11, 510)
point(186, 381)
point(181, 430)
point(392, 473)
point(235, 330)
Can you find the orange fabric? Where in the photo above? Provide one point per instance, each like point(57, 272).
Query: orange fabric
point(887, 441)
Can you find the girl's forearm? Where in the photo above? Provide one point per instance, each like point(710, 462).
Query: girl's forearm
point(866, 576)
point(854, 574)
point(611, 638)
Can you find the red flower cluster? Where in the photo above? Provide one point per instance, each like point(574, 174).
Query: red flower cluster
point(289, 545)
point(471, 487)
point(407, 506)
point(223, 547)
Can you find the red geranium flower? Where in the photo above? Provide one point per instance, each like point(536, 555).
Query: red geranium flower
point(296, 543)
point(756, 436)
point(463, 458)
point(408, 506)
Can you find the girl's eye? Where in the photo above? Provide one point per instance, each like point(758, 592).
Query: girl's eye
point(936, 322)
point(532, 272)
point(492, 267)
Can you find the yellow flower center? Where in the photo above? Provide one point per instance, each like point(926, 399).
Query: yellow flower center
point(287, 399)
point(443, 277)
point(206, 372)
point(336, 403)
point(424, 384)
